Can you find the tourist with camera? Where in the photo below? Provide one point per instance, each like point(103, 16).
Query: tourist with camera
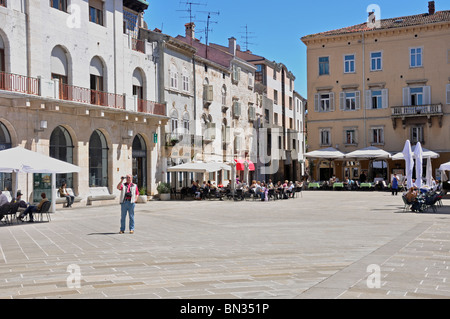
point(128, 195)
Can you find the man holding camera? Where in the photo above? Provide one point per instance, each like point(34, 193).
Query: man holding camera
point(128, 195)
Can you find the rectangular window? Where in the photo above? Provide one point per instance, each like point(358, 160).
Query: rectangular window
point(324, 65)
point(3, 3)
point(275, 118)
point(350, 136)
point(349, 63)
point(376, 61)
point(350, 101)
point(416, 96)
point(448, 94)
point(275, 96)
point(2, 60)
point(377, 135)
point(324, 102)
point(96, 15)
point(377, 100)
point(417, 134)
point(186, 83)
point(325, 137)
point(416, 57)
point(59, 4)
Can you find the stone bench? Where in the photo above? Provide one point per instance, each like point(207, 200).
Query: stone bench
point(63, 200)
point(98, 194)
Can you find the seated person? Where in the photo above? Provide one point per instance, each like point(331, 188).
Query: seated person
point(21, 205)
point(33, 209)
point(63, 193)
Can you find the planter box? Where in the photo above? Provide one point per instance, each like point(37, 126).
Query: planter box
point(142, 199)
point(164, 197)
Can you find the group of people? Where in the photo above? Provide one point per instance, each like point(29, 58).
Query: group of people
point(417, 197)
point(261, 190)
point(19, 205)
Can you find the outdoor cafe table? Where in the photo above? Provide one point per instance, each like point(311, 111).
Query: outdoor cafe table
point(365, 185)
point(313, 185)
point(338, 185)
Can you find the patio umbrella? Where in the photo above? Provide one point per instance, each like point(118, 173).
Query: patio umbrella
point(419, 160)
point(408, 156)
point(329, 154)
point(369, 153)
point(20, 160)
point(429, 172)
point(426, 153)
point(444, 167)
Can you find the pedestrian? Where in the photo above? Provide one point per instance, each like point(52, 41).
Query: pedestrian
point(394, 184)
point(64, 193)
point(128, 195)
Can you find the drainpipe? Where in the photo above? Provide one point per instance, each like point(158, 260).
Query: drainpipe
point(27, 30)
point(364, 88)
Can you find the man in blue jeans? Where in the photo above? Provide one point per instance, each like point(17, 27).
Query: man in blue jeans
point(128, 195)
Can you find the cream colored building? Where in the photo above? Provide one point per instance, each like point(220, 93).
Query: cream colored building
point(380, 83)
point(78, 84)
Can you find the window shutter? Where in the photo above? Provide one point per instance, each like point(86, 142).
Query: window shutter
point(238, 74)
point(317, 101)
point(406, 96)
point(385, 98)
point(358, 100)
point(368, 99)
point(448, 93)
point(210, 93)
point(427, 95)
point(331, 101)
point(341, 101)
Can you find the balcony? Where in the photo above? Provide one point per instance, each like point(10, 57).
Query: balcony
point(55, 90)
point(19, 83)
point(183, 140)
point(416, 111)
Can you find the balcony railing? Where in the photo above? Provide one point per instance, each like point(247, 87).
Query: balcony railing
point(138, 45)
point(184, 140)
point(151, 107)
point(417, 110)
point(19, 83)
point(107, 99)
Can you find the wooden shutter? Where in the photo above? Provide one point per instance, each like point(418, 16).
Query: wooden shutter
point(316, 102)
point(368, 99)
point(358, 100)
point(406, 96)
point(341, 101)
point(331, 101)
point(427, 95)
point(448, 93)
point(385, 98)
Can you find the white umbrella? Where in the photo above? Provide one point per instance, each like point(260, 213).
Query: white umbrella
point(369, 153)
point(444, 167)
point(419, 160)
point(429, 173)
point(20, 160)
point(329, 153)
point(426, 153)
point(408, 156)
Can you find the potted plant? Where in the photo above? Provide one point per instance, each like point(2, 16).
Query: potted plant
point(142, 195)
point(164, 191)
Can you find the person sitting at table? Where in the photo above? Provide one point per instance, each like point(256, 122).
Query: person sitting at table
point(290, 190)
point(33, 209)
point(412, 197)
point(21, 205)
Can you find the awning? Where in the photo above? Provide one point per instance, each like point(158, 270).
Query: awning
point(240, 164)
point(199, 167)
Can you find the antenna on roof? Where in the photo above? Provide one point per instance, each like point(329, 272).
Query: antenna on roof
point(189, 8)
point(208, 21)
point(246, 37)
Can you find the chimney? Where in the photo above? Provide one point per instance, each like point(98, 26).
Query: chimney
point(431, 8)
point(190, 30)
point(232, 46)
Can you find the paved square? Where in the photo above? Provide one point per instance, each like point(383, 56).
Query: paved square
point(326, 244)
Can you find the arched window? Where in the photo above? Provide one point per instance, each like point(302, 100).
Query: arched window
point(139, 161)
point(61, 147)
point(138, 84)
point(59, 67)
point(2, 57)
point(5, 143)
point(174, 121)
point(186, 121)
point(98, 160)
point(97, 76)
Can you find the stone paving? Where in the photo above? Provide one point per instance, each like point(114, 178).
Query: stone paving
point(325, 244)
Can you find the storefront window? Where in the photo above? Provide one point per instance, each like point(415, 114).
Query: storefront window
point(61, 147)
point(98, 160)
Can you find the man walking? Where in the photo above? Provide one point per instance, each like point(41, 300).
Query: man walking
point(394, 185)
point(128, 195)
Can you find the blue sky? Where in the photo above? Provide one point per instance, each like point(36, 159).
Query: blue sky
point(275, 27)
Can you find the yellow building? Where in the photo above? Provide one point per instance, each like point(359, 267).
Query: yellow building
point(380, 83)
